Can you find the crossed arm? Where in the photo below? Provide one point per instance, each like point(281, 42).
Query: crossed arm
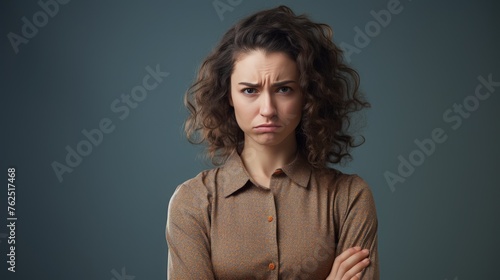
point(188, 224)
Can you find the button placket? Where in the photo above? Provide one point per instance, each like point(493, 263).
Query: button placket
point(273, 231)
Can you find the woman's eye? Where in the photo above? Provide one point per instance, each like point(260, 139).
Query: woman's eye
point(248, 91)
point(284, 89)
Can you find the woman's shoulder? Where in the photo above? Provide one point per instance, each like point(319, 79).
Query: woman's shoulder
point(199, 187)
point(203, 181)
point(349, 191)
point(341, 181)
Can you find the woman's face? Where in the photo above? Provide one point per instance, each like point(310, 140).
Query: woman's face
point(266, 97)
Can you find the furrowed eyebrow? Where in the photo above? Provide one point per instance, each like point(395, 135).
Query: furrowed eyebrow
point(278, 84)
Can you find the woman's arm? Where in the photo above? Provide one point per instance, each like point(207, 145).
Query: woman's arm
point(187, 234)
point(357, 223)
point(350, 264)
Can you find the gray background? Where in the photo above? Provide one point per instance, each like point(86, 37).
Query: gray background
point(110, 212)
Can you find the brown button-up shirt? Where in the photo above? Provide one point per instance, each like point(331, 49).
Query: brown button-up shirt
point(223, 225)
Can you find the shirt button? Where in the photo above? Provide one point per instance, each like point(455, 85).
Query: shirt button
point(270, 218)
point(272, 266)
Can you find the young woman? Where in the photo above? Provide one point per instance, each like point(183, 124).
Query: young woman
point(273, 103)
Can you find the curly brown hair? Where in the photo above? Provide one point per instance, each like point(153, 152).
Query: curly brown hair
point(331, 88)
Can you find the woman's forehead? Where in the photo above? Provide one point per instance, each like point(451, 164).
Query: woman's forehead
point(259, 64)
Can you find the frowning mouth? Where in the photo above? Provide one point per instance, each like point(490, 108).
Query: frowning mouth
point(267, 127)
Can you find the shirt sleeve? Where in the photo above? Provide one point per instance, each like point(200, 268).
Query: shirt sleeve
point(358, 223)
point(187, 235)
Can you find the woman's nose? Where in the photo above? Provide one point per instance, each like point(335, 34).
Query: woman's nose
point(267, 105)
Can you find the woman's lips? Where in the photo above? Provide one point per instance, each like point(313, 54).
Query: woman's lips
point(267, 128)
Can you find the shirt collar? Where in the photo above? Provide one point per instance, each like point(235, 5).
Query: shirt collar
point(234, 175)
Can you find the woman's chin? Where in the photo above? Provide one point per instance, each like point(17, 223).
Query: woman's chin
point(268, 139)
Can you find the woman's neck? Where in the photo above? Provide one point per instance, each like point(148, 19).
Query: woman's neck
point(261, 160)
